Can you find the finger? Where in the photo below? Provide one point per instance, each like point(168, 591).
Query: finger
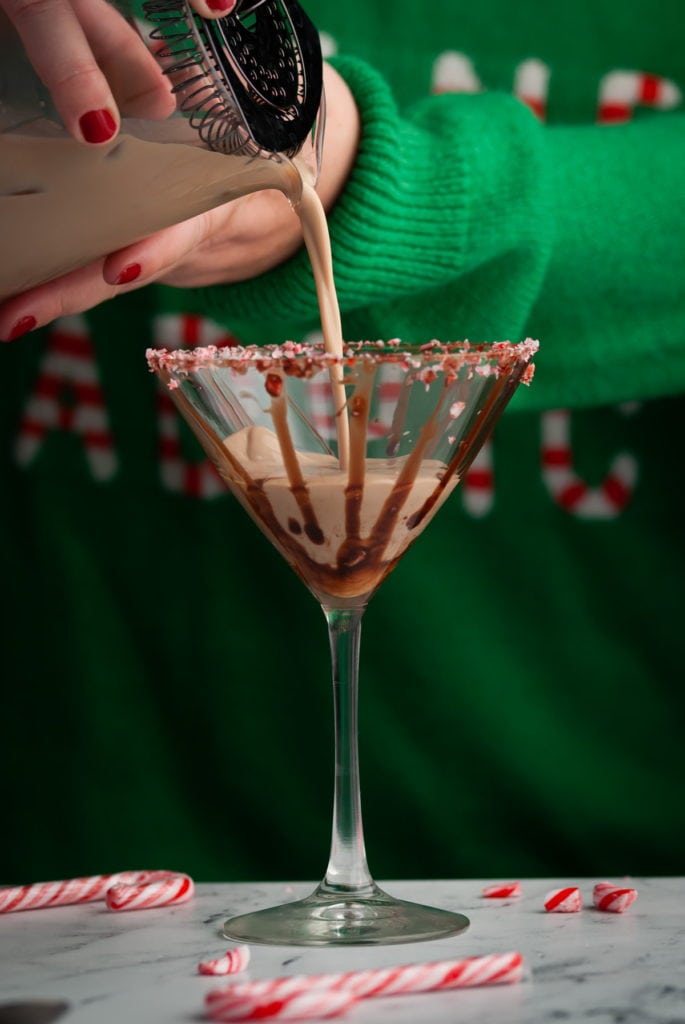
point(213, 8)
point(158, 255)
point(136, 79)
point(73, 293)
point(58, 48)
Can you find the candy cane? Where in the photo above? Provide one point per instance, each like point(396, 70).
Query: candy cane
point(232, 962)
point(198, 479)
point(502, 891)
point(621, 91)
point(613, 898)
point(564, 901)
point(195, 479)
point(165, 890)
point(606, 501)
point(497, 969)
point(68, 370)
point(531, 84)
point(78, 890)
point(302, 1005)
point(63, 893)
point(478, 484)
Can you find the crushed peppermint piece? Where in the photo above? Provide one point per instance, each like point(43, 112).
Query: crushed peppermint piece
point(502, 890)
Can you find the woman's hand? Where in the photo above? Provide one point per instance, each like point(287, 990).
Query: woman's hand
point(94, 63)
point(234, 242)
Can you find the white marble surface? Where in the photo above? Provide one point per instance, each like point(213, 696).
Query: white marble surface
point(140, 967)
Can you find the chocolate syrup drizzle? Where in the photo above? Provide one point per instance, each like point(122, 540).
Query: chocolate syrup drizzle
point(361, 563)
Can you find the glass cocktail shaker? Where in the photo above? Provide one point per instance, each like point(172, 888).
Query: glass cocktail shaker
point(249, 98)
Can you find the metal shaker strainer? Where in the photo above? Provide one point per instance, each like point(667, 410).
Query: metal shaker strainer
point(250, 82)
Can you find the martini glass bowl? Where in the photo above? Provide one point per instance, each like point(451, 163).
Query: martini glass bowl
point(342, 462)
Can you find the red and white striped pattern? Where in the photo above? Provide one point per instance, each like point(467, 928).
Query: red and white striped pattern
point(531, 85)
point(387, 392)
point(388, 403)
point(174, 331)
point(232, 962)
point(63, 893)
point(67, 396)
point(605, 501)
point(502, 890)
point(621, 91)
point(564, 901)
point(162, 890)
point(496, 969)
point(321, 1004)
point(125, 890)
point(197, 479)
point(320, 405)
point(478, 483)
point(613, 898)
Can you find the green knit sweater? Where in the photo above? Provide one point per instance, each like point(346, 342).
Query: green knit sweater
point(520, 173)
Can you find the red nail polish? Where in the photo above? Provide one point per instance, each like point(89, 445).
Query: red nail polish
point(225, 6)
point(23, 326)
point(129, 273)
point(97, 126)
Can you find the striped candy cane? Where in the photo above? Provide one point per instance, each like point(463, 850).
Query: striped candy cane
point(67, 396)
point(478, 483)
point(613, 898)
point(608, 499)
point(198, 478)
point(531, 84)
point(497, 969)
point(232, 962)
point(564, 901)
point(502, 890)
point(303, 1005)
point(163, 890)
point(63, 893)
point(39, 895)
point(621, 91)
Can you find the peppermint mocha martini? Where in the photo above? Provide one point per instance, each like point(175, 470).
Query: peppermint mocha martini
point(342, 515)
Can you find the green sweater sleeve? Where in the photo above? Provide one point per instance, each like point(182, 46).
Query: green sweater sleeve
point(467, 217)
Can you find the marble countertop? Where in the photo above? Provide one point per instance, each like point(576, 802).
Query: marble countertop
point(140, 967)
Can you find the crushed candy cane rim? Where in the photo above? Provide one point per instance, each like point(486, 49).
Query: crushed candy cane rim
point(302, 360)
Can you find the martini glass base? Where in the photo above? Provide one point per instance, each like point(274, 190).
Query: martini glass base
point(345, 919)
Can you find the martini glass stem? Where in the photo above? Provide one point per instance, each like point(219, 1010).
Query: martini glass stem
point(347, 871)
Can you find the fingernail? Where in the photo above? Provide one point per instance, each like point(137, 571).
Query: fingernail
point(225, 6)
point(129, 273)
point(23, 326)
point(97, 126)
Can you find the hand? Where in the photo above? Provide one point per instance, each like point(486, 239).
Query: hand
point(93, 62)
point(232, 243)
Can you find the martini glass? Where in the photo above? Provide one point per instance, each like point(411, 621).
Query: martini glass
point(342, 462)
